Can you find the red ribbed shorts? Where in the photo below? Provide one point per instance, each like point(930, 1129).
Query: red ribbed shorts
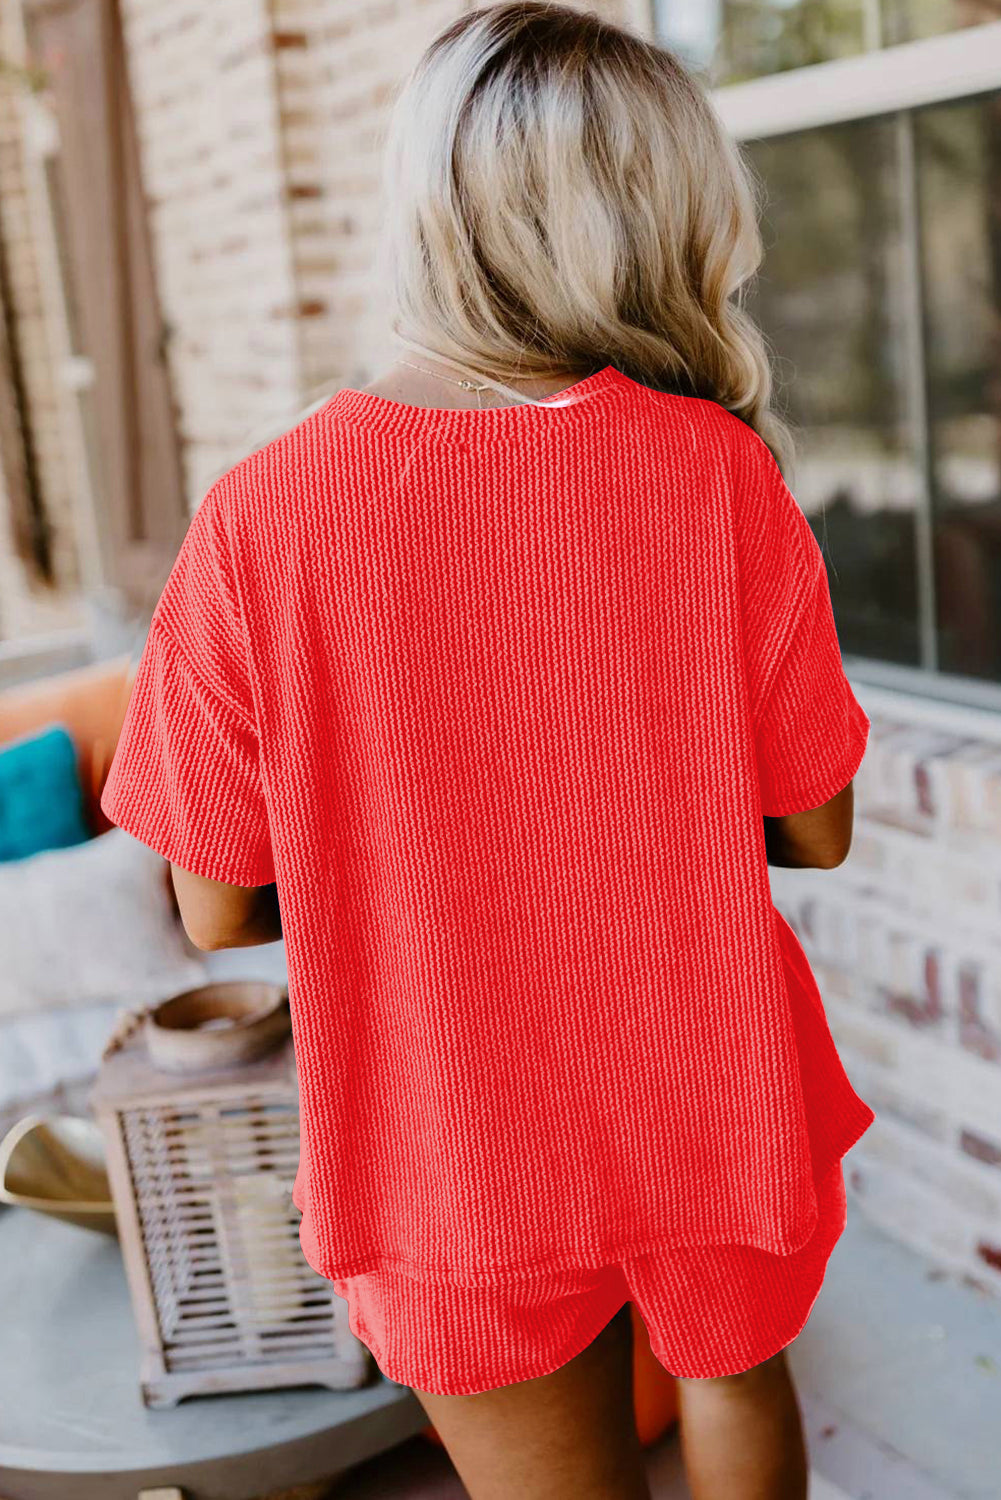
point(709, 1310)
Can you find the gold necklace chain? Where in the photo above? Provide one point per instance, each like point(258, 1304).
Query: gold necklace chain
point(466, 385)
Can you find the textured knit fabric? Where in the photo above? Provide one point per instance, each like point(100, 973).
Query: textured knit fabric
point(499, 698)
point(708, 1310)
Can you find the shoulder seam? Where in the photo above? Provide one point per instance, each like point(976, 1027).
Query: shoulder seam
point(238, 589)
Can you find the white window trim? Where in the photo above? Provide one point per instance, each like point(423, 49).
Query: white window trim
point(904, 76)
point(940, 698)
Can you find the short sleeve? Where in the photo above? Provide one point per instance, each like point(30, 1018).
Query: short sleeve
point(185, 778)
point(810, 731)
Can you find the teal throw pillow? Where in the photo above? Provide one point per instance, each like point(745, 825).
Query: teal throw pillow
point(41, 799)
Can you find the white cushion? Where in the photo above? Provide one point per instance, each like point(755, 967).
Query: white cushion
point(90, 925)
point(47, 1058)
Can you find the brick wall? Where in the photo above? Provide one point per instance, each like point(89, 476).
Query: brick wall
point(905, 941)
point(203, 87)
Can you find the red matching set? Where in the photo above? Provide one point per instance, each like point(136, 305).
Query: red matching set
point(499, 698)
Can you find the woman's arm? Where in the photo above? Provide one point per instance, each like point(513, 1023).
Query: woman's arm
point(818, 839)
point(217, 915)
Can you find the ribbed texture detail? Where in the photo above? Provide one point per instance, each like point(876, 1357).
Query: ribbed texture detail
point(499, 698)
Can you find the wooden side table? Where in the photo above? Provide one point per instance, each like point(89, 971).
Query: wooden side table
point(73, 1426)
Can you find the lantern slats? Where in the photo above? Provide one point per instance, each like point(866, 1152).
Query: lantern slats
point(218, 1264)
point(188, 1359)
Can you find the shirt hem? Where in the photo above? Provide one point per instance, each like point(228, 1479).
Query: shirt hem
point(830, 785)
point(591, 1259)
point(176, 852)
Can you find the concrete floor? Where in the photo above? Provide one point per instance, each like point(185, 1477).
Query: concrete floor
point(899, 1375)
point(908, 1362)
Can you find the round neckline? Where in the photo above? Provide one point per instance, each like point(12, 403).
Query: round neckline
point(366, 409)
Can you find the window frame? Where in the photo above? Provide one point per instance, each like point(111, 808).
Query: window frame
point(893, 80)
point(906, 75)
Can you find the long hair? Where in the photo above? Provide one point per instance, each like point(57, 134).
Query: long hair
point(559, 194)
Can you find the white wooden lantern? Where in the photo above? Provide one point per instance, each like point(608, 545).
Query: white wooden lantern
point(201, 1161)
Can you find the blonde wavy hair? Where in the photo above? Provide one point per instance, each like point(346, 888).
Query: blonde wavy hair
point(559, 194)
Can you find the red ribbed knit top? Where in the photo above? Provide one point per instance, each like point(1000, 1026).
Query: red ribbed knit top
point(499, 698)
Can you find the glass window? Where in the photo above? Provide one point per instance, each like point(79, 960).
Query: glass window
point(831, 297)
point(880, 293)
point(958, 157)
